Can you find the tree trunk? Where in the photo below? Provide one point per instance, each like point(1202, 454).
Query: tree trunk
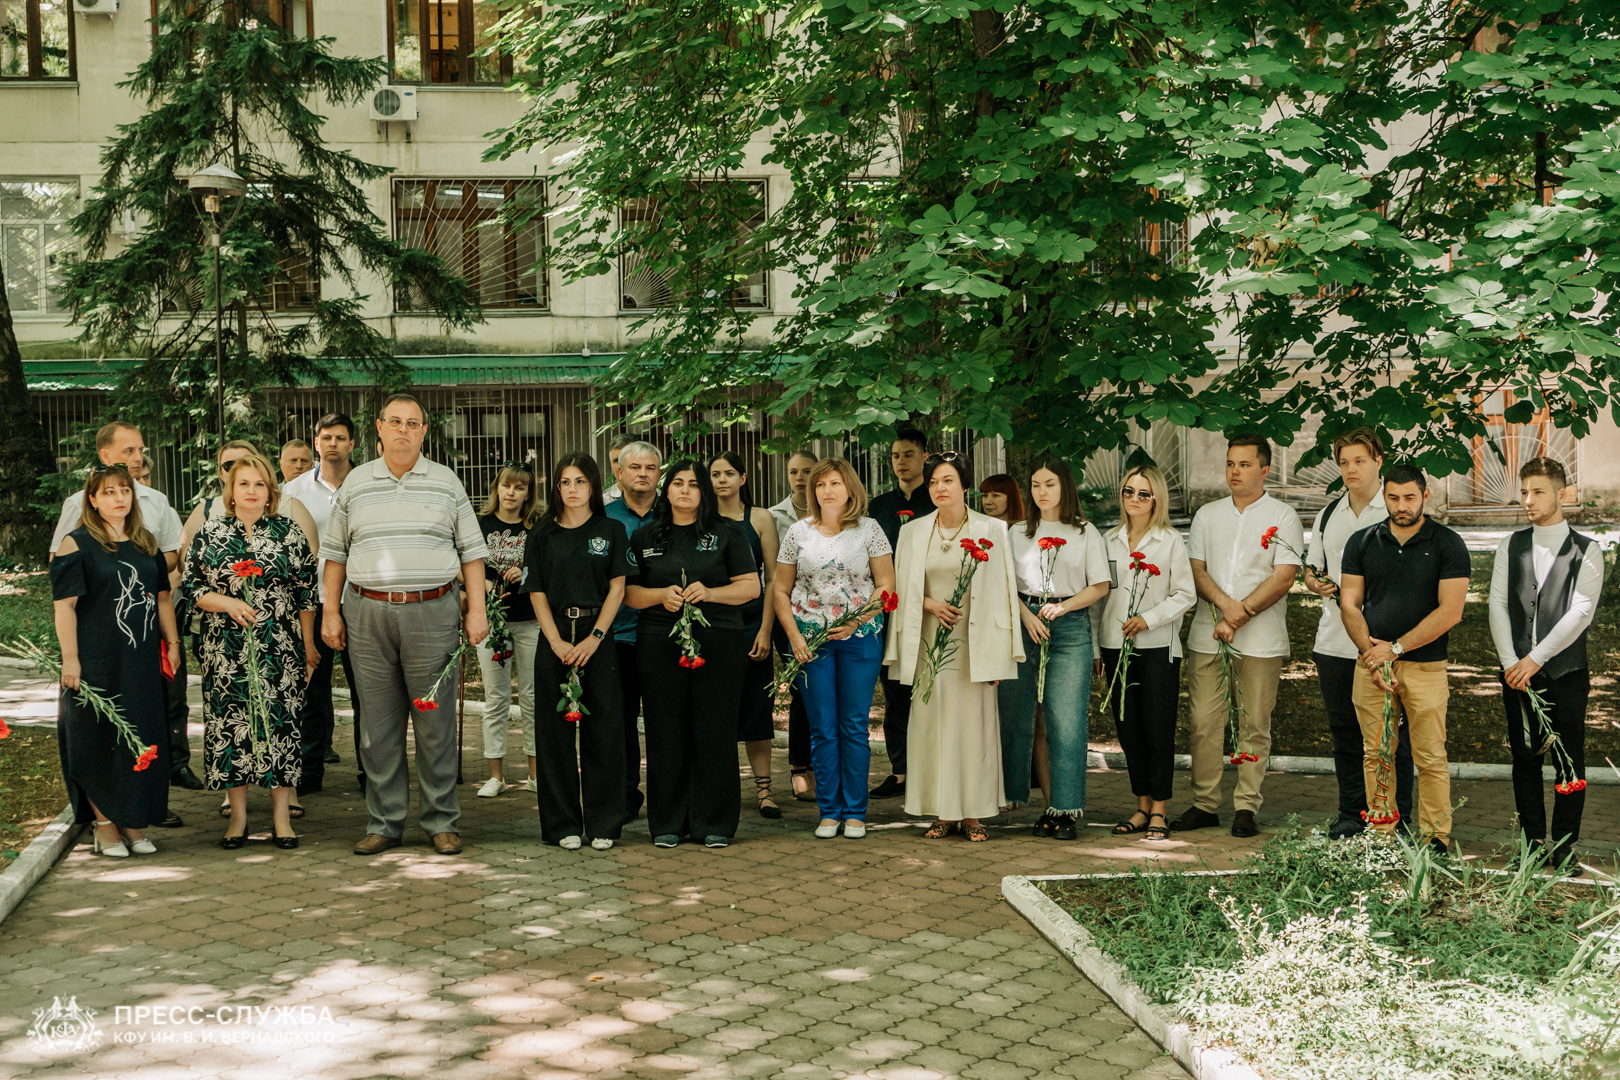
point(24, 453)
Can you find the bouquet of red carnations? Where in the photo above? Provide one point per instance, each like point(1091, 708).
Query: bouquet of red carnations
point(943, 648)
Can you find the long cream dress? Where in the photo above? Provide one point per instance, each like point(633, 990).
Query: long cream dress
point(953, 748)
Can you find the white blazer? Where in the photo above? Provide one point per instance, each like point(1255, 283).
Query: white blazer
point(995, 641)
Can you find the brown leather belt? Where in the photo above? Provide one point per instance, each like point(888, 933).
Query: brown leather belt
point(399, 597)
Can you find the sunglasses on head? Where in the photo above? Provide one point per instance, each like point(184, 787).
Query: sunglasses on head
point(947, 455)
point(521, 466)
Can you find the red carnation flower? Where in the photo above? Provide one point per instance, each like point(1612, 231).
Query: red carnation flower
point(968, 543)
point(247, 568)
point(697, 662)
point(1057, 541)
point(980, 556)
point(1265, 540)
point(987, 545)
point(5, 732)
point(1137, 555)
point(572, 717)
point(1044, 543)
point(148, 756)
point(906, 515)
point(1570, 788)
point(425, 705)
point(1151, 569)
point(685, 661)
point(890, 601)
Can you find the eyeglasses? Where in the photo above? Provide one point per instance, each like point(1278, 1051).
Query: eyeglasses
point(1132, 493)
point(394, 423)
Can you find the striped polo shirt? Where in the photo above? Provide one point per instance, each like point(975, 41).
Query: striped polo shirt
point(406, 534)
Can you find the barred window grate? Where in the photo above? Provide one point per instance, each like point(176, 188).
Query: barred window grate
point(463, 222)
point(644, 287)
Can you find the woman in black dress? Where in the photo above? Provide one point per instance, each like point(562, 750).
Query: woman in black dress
point(574, 568)
point(238, 748)
point(689, 554)
point(109, 578)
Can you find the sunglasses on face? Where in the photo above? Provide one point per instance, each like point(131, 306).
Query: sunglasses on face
point(1132, 493)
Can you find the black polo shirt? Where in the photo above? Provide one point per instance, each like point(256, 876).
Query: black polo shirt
point(1403, 582)
point(713, 556)
point(885, 510)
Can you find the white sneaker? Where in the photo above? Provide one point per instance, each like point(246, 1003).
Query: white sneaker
point(529, 785)
point(826, 832)
point(492, 787)
point(600, 844)
point(569, 843)
point(854, 830)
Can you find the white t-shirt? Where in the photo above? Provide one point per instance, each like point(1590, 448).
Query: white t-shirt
point(1081, 562)
point(1227, 541)
point(832, 574)
point(1332, 639)
point(156, 514)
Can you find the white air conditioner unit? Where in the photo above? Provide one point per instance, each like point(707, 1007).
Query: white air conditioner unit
point(393, 103)
point(96, 7)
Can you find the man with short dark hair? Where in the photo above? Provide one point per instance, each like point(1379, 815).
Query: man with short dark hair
point(1404, 585)
point(317, 490)
point(1359, 455)
point(400, 529)
point(1243, 579)
point(908, 499)
point(1544, 592)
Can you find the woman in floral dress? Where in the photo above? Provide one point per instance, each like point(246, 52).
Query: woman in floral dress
point(250, 720)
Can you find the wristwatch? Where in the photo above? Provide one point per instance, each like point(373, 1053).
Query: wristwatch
point(597, 634)
point(1397, 648)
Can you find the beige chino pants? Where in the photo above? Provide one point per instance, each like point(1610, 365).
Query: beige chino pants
point(1257, 678)
point(1423, 692)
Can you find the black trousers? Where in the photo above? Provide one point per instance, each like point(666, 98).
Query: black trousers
point(798, 718)
point(1336, 676)
point(1566, 700)
point(581, 794)
point(896, 721)
point(319, 721)
point(1145, 717)
point(630, 709)
point(179, 717)
point(692, 778)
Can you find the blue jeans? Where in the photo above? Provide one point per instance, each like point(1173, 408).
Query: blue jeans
point(838, 687)
point(1068, 699)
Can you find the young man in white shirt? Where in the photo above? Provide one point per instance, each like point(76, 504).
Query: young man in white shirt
point(1243, 578)
point(317, 489)
point(1544, 592)
point(1360, 457)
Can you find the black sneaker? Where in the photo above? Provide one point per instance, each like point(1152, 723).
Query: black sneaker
point(716, 841)
point(666, 841)
point(1195, 818)
point(1563, 857)
point(1345, 826)
point(889, 789)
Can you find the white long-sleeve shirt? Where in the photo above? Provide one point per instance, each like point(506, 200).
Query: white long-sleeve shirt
point(1545, 542)
point(1165, 602)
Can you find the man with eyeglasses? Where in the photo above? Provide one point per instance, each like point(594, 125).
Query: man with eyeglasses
point(119, 443)
point(317, 490)
point(400, 529)
point(906, 501)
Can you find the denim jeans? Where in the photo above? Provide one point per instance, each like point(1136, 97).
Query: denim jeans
point(838, 687)
point(1068, 700)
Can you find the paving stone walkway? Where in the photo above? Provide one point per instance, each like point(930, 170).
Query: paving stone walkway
point(781, 956)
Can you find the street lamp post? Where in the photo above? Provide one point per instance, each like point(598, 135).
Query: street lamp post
point(211, 186)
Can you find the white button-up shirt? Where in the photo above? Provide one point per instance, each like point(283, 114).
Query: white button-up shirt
point(318, 497)
point(1164, 600)
point(1227, 541)
point(1332, 639)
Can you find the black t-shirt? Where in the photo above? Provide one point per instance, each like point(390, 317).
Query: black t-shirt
point(1403, 581)
point(574, 567)
point(506, 547)
point(714, 558)
point(886, 509)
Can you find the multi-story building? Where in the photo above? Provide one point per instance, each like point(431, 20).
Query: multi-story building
point(518, 385)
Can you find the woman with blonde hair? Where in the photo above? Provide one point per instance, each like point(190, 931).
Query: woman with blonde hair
point(256, 658)
point(109, 580)
point(507, 517)
point(833, 563)
point(1148, 693)
point(1061, 565)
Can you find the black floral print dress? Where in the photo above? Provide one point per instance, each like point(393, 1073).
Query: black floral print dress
point(232, 756)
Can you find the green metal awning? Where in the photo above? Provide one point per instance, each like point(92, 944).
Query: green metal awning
point(476, 369)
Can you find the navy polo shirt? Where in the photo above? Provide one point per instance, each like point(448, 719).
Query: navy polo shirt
point(1403, 580)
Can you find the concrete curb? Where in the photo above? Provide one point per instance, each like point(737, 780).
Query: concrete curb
point(1075, 943)
point(36, 860)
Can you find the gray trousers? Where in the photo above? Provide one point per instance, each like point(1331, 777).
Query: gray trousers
point(396, 650)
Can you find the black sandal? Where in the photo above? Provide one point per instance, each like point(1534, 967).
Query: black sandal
point(1130, 827)
point(295, 811)
point(1158, 832)
point(1045, 825)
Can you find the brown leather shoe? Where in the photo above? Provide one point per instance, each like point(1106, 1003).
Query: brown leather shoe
point(1243, 824)
point(447, 843)
point(373, 843)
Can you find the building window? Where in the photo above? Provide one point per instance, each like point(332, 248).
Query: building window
point(297, 17)
point(465, 223)
point(35, 243)
point(643, 287)
point(443, 42)
point(36, 39)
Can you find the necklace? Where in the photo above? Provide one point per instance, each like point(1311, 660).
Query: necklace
point(946, 541)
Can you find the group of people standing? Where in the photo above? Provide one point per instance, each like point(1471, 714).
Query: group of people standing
point(662, 606)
